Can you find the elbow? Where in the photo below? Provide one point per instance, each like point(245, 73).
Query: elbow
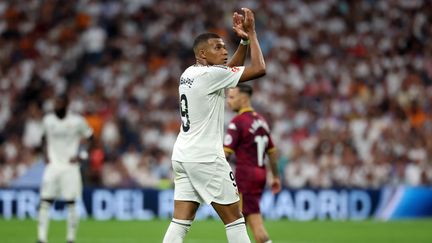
point(262, 71)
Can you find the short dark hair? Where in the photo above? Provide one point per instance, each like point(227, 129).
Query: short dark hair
point(203, 38)
point(246, 89)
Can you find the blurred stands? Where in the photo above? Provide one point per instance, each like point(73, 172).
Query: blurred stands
point(348, 89)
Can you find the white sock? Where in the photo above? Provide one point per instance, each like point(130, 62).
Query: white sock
point(72, 222)
point(269, 241)
point(177, 230)
point(43, 220)
point(236, 231)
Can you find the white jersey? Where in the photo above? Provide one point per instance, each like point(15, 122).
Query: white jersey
point(63, 137)
point(202, 104)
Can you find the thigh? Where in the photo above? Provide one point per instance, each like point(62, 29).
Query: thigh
point(214, 182)
point(50, 183)
point(71, 183)
point(183, 188)
point(225, 182)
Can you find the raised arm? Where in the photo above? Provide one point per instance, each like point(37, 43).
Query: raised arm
point(239, 56)
point(257, 67)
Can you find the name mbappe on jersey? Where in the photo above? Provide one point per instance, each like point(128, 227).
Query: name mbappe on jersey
point(186, 81)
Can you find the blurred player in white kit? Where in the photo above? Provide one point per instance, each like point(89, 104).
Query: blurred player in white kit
point(64, 132)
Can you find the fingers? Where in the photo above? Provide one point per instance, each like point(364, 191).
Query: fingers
point(248, 13)
point(249, 20)
point(237, 18)
point(240, 32)
point(238, 25)
point(246, 10)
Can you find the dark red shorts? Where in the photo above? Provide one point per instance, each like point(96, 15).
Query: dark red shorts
point(250, 203)
point(251, 182)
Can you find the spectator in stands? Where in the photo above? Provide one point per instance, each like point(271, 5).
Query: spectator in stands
point(355, 69)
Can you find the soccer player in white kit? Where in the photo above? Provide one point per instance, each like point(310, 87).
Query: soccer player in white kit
point(63, 133)
point(202, 174)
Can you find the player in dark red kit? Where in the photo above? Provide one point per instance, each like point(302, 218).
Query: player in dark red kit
point(248, 136)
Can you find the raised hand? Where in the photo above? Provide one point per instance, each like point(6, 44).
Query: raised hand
point(238, 20)
point(249, 20)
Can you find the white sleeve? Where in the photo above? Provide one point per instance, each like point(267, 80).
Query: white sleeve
point(221, 77)
point(84, 128)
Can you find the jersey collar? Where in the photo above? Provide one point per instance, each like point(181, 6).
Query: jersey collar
point(247, 109)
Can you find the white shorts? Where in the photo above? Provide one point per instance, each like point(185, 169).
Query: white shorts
point(205, 182)
point(61, 182)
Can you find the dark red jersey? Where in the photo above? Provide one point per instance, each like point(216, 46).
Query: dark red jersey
point(248, 136)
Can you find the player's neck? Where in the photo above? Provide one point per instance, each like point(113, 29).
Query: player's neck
point(200, 62)
point(245, 109)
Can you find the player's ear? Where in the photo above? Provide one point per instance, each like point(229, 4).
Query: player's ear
point(202, 53)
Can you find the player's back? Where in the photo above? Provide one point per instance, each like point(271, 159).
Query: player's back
point(202, 97)
point(255, 139)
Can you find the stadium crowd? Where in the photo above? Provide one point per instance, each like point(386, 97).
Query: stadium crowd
point(348, 89)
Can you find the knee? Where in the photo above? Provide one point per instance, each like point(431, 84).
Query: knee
point(45, 204)
point(233, 215)
point(70, 204)
point(238, 215)
point(184, 215)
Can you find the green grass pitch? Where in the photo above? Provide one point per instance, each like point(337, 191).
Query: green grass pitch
point(212, 231)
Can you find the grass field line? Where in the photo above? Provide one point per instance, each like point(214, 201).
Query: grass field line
point(218, 241)
point(283, 231)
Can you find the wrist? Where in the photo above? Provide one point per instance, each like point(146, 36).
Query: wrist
point(244, 42)
point(250, 33)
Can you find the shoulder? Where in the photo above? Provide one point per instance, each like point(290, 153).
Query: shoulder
point(260, 116)
point(195, 69)
point(263, 121)
point(210, 70)
point(245, 116)
point(49, 117)
point(236, 122)
point(225, 69)
point(237, 118)
point(219, 67)
point(191, 73)
point(199, 69)
point(232, 125)
point(75, 118)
